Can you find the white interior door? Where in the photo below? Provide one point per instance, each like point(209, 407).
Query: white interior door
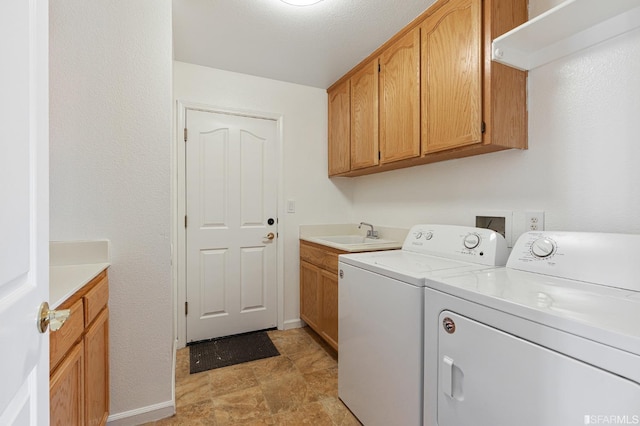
point(231, 197)
point(24, 215)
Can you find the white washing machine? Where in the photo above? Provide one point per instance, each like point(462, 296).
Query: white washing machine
point(381, 319)
point(553, 339)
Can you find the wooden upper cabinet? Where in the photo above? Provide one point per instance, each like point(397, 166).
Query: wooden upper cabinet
point(400, 99)
point(452, 76)
point(364, 117)
point(433, 93)
point(340, 129)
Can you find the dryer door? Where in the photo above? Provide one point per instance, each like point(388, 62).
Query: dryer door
point(487, 377)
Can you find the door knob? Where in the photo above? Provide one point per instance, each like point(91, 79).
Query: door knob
point(51, 318)
point(269, 236)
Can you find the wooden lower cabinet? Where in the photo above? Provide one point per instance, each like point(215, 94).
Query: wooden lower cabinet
point(96, 379)
point(329, 308)
point(79, 355)
point(66, 387)
point(310, 294)
point(319, 290)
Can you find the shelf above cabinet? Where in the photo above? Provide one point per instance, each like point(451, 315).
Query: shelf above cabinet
point(565, 29)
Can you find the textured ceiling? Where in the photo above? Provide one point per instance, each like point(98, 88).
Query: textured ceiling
point(312, 45)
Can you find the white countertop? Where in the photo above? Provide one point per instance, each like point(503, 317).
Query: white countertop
point(394, 237)
point(72, 265)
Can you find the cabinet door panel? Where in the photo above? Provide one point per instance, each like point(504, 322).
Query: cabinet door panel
point(400, 99)
point(66, 388)
point(364, 117)
point(96, 349)
point(329, 310)
point(96, 298)
point(310, 295)
point(62, 340)
point(340, 129)
point(452, 77)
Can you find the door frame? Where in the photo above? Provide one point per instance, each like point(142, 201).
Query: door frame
point(178, 190)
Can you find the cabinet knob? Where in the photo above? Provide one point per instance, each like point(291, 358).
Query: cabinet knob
point(51, 318)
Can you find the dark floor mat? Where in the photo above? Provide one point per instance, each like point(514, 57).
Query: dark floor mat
point(230, 350)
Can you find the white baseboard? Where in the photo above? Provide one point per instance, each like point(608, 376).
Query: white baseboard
point(150, 413)
point(143, 415)
point(293, 323)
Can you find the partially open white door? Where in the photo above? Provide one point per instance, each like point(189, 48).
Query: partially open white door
point(24, 215)
point(231, 196)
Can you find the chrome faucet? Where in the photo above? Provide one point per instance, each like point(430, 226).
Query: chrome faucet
point(370, 233)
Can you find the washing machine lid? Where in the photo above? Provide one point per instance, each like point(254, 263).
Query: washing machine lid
point(603, 314)
point(406, 266)
point(429, 250)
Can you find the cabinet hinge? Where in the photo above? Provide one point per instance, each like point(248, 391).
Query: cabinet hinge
point(186, 308)
point(379, 67)
point(483, 128)
point(185, 134)
point(379, 155)
point(185, 221)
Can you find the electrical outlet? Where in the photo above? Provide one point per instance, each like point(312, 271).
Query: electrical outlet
point(534, 221)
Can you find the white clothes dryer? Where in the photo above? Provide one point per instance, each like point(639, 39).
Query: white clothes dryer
point(553, 339)
point(381, 319)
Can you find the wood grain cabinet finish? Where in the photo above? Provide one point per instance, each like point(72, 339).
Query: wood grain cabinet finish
point(466, 104)
point(66, 387)
point(329, 307)
point(319, 290)
point(79, 353)
point(452, 77)
point(400, 99)
point(340, 129)
point(364, 117)
point(310, 294)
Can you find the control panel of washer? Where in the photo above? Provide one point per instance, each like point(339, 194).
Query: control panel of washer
point(600, 258)
point(477, 245)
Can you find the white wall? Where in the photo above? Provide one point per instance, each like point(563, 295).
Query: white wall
point(304, 109)
point(111, 118)
point(581, 166)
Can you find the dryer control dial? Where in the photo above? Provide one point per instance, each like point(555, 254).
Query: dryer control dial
point(543, 247)
point(471, 241)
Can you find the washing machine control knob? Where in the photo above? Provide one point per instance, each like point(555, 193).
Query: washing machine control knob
point(471, 241)
point(418, 235)
point(543, 247)
point(428, 235)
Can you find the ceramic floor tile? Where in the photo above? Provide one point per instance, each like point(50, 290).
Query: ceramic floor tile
point(339, 413)
point(287, 392)
point(193, 389)
point(324, 382)
point(272, 367)
point(242, 406)
point(312, 360)
point(292, 341)
point(230, 379)
point(307, 414)
point(182, 363)
point(194, 414)
point(296, 388)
